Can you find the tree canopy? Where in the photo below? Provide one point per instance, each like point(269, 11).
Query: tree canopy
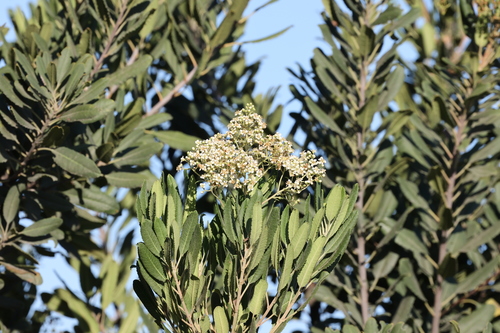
point(91, 92)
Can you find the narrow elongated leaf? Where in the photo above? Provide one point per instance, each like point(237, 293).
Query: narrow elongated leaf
point(300, 239)
point(175, 139)
point(406, 270)
point(23, 273)
point(154, 120)
point(138, 155)
point(126, 179)
point(76, 163)
point(129, 324)
point(88, 113)
point(227, 26)
point(109, 284)
point(384, 267)
point(78, 307)
point(478, 319)
point(6, 89)
point(258, 297)
point(256, 227)
point(149, 238)
point(147, 298)
point(117, 78)
point(187, 232)
point(151, 263)
point(322, 117)
point(42, 227)
point(276, 34)
point(481, 238)
point(490, 149)
point(220, 320)
point(11, 203)
point(334, 201)
point(305, 274)
point(93, 199)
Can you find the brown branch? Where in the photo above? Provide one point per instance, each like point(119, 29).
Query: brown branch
point(164, 100)
point(472, 292)
point(360, 178)
point(130, 61)
point(247, 252)
point(114, 33)
point(449, 198)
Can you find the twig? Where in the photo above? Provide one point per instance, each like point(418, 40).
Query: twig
point(155, 109)
point(130, 61)
point(112, 36)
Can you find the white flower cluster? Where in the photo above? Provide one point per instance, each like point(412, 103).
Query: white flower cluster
point(240, 157)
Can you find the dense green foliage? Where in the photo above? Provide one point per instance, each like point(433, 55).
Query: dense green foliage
point(91, 91)
point(221, 271)
point(421, 140)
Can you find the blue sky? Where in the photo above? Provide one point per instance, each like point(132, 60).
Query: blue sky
point(295, 46)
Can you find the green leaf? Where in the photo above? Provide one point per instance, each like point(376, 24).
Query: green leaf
point(6, 89)
point(389, 14)
point(293, 224)
point(256, 225)
point(151, 263)
point(127, 179)
point(410, 241)
point(350, 329)
point(139, 155)
point(404, 309)
point(129, 324)
point(154, 120)
point(276, 34)
point(406, 270)
point(24, 273)
point(384, 266)
point(285, 276)
point(411, 192)
point(299, 239)
point(76, 163)
point(305, 274)
point(258, 250)
point(109, 284)
point(88, 113)
point(150, 239)
point(258, 297)
point(87, 321)
point(455, 327)
point(10, 207)
point(92, 198)
point(147, 298)
point(117, 78)
point(228, 224)
point(481, 238)
point(227, 27)
point(334, 201)
point(478, 319)
point(175, 139)
point(471, 282)
point(371, 326)
point(490, 149)
point(42, 227)
point(188, 229)
point(220, 320)
point(322, 117)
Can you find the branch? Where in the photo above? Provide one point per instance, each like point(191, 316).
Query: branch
point(360, 178)
point(112, 36)
point(130, 61)
point(163, 101)
point(449, 196)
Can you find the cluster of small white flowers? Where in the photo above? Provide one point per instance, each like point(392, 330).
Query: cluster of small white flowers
point(240, 157)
